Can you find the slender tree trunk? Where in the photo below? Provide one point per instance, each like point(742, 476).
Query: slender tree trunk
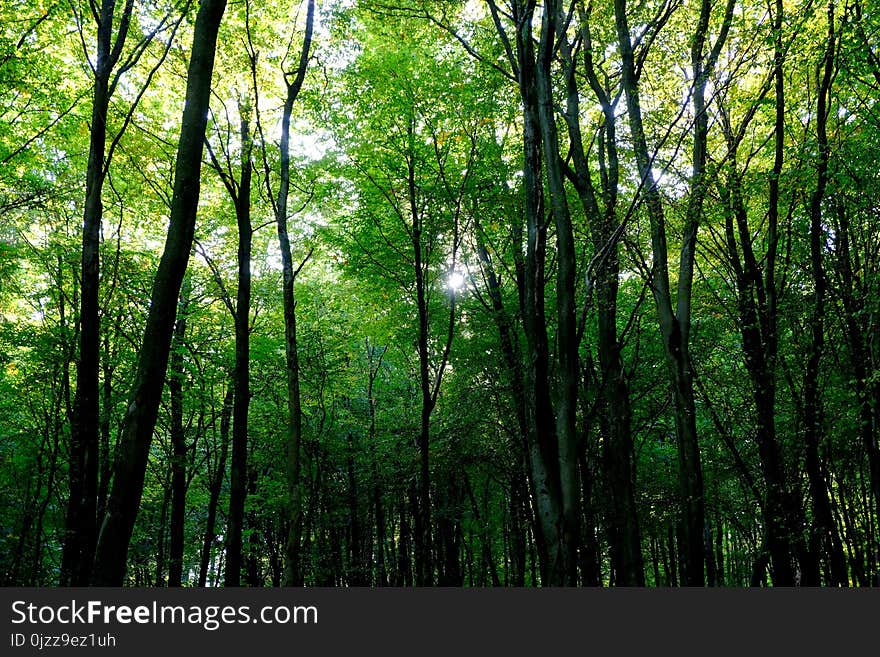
point(482, 521)
point(238, 479)
point(423, 548)
point(450, 538)
point(625, 535)
point(378, 506)
point(106, 464)
point(591, 569)
point(81, 523)
point(252, 567)
point(357, 576)
point(216, 485)
point(160, 539)
point(655, 559)
point(49, 497)
point(674, 315)
point(178, 445)
point(758, 327)
point(822, 531)
point(404, 545)
point(519, 528)
point(424, 553)
point(711, 566)
point(292, 572)
point(673, 559)
point(379, 510)
point(543, 447)
point(140, 420)
point(857, 333)
point(422, 241)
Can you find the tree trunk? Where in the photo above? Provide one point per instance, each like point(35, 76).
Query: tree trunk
point(357, 575)
point(404, 545)
point(178, 444)
point(823, 531)
point(423, 548)
point(672, 572)
point(378, 506)
point(758, 329)
point(292, 572)
point(160, 539)
point(674, 315)
point(105, 461)
point(519, 528)
point(625, 535)
point(857, 334)
point(216, 485)
point(423, 242)
point(543, 447)
point(238, 479)
point(140, 419)
point(591, 558)
point(253, 570)
point(567, 381)
point(81, 523)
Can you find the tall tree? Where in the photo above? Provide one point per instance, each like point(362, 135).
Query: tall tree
point(553, 26)
point(81, 524)
point(823, 533)
point(603, 279)
point(294, 80)
point(140, 418)
point(239, 191)
point(112, 61)
point(674, 313)
point(176, 379)
point(555, 499)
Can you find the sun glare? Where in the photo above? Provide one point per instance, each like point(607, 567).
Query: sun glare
point(455, 281)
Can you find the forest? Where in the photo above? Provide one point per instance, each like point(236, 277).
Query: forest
point(440, 293)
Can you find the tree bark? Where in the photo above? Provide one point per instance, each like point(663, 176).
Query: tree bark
point(624, 534)
point(674, 315)
point(823, 531)
point(216, 485)
point(292, 571)
point(140, 419)
point(238, 479)
point(567, 380)
point(542, 441)
point(81, 527)
point(178, 445)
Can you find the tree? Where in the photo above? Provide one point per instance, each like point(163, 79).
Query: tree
point(108, 68)
point(293, 82)
point(140, 418)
